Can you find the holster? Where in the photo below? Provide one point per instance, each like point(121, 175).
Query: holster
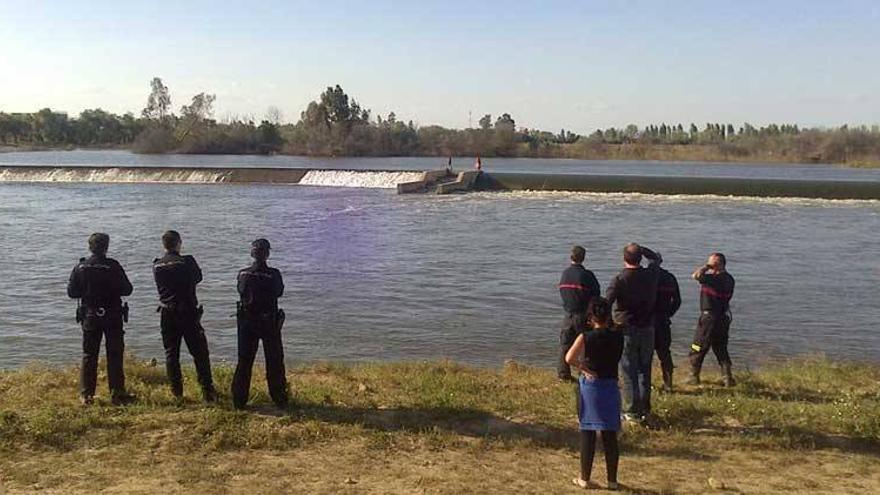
point(125, 312)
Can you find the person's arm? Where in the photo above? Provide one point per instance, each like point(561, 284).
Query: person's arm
point(654, 258)
point(125, 287)
point(592, 285)
point(74, 285)
point(575, 355)
point(242, 282)
point(676, 296)
point(700, 273)
point(278, 284)
point(197, 272)
point(611, 292)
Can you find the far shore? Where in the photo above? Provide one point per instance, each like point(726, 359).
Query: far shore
point(659, 153)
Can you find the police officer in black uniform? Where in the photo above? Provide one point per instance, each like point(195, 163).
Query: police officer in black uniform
point(713, 327)
point(176, 279)
point(668, 302)
point(260, 319)
point(577, 287)
point(99, 283)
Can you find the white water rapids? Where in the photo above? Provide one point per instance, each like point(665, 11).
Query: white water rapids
point(350, 178)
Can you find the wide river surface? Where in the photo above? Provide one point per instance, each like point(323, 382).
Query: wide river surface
point(371, 275)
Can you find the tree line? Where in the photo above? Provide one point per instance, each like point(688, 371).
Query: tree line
point(337, 125)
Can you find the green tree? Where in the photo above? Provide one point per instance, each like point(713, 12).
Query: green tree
point(158, 103)
point(486, 122)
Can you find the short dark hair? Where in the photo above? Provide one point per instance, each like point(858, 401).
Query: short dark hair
point(721, 258)
point(599, 311)
point(99, 242)
point(578, 254)
point(170, 239)
point(632, 253)
point(260, 249)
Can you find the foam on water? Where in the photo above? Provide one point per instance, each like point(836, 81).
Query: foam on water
point(122, 175)
point(351, 178)
point(620, 197)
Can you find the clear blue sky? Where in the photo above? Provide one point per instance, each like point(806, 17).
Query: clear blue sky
point(577, 64)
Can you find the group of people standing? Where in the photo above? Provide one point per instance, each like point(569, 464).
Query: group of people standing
point(621, 331)
point(100, 282)
point(599, 334)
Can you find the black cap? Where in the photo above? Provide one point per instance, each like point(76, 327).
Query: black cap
point(261, 244)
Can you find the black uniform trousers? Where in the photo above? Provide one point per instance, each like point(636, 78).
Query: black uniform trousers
point(572, 325)
point(712, 332)
point(252, 329)
point(95, 328)
point(663, 341)
point(183, 325)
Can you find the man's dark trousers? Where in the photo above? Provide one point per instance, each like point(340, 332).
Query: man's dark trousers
point(95, 327)
point(183, 324)
point(663, 342)
point(572, 325)
point(252, 329)
point(713, 331)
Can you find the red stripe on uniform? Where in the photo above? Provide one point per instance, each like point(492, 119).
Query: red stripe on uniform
point(714, 293)
point(573, 286)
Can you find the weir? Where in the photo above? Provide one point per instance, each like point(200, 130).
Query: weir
point(821, 189)
point(443, 181)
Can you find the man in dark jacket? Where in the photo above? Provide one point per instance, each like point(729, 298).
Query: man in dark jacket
point(634, 294)
point(176, 279)
point(577, 287)
point(99, 283)
point(668, 302)
point(260, 319)
point(713, 327)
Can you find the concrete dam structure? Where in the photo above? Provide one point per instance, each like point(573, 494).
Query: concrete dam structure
point(447, 181)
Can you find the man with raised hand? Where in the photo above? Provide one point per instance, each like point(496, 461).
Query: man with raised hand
point(713, 327)
point(99, 283)
point(634, 294)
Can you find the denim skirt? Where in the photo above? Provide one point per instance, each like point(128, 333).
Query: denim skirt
point(598, 404)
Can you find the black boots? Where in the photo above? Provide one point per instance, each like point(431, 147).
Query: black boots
point(728, 375)
point(667, 378)
point(729, 381)
point(121, 398)
point(209, 394)
point(694, 379)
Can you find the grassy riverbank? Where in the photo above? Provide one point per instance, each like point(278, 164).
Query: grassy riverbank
point(806, 425)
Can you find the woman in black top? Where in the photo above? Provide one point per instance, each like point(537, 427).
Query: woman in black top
point(596, 353)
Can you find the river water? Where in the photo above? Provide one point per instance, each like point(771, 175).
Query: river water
point(372, 275)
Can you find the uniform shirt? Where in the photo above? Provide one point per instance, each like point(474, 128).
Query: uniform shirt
point(577, 287)
point(176, 279)
point(99, 282)
point(260, 287)
point(668, 295)
point(716, 290)
point(602, 351)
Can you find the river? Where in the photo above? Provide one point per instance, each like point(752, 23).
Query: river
point(372, 275)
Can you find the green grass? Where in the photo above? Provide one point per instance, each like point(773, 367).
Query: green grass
point(391, 409)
